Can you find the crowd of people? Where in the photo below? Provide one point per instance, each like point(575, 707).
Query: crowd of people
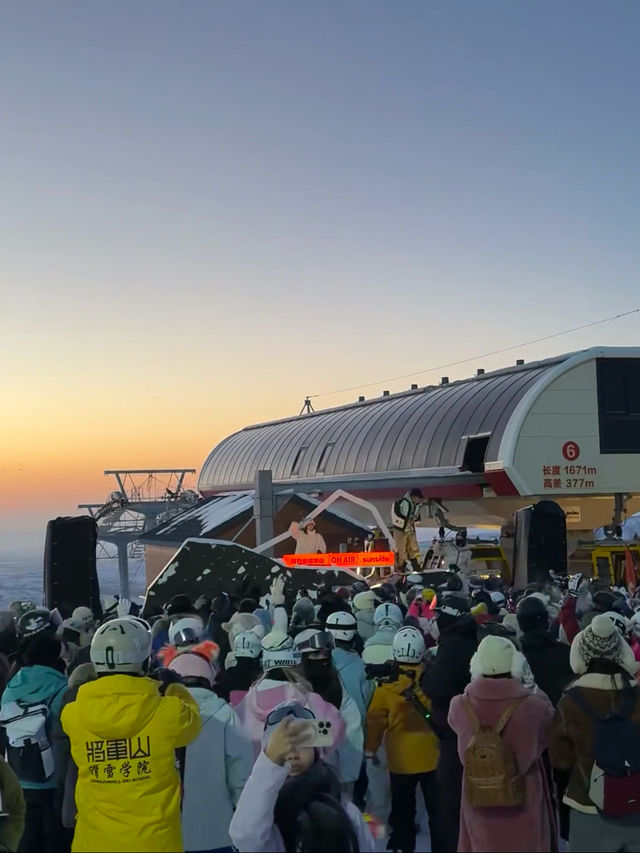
point(349, 719)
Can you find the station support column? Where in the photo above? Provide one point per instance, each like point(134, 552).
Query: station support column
point(123, 570)
point(263, 509)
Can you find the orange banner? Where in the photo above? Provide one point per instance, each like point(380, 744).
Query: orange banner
point(341, 561)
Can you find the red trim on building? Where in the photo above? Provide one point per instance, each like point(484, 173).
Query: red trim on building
point(501, 484)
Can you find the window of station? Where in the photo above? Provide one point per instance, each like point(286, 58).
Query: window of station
point(619, 404)
point(474, 453)
point(322, 462)
point(295, 470)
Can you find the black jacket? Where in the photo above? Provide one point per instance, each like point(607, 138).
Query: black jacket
point(238, 677)
point(549, 662)
point(449, 673)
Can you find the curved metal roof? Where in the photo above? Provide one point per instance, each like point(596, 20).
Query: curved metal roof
point(415, 430)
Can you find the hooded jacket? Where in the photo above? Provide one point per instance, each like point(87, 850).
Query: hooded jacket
point(123, 736)
point(410, 742)
point(263, 697)
point(366, 625)
point(530, 827)
point(350, 667)
point(449, 673)
point(549, 662)
point(573, 732)
point(379, 647)
point(307, 543)
point(216, 767)
point(32, 685)
point(253, 827)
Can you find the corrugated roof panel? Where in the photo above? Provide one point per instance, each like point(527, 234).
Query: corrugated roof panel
point(416, 429)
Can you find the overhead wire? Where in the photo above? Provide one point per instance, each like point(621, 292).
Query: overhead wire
point(475, 357)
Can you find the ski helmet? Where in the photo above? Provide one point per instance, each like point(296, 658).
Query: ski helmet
point(34, 622)
point(415, 579)
point(247, 645)
point(313, 640)
point(621, 622)
point(121, 645)
point(187, 631)
point(387, 615)
point(408, 646)
point(365, 600)
point(342, 625)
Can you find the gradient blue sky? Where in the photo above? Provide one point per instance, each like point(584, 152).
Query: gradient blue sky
point(210, 209)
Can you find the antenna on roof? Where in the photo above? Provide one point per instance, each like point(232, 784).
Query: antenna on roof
point(307, 407)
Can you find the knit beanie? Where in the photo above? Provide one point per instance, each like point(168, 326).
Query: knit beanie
point(303, 611)
point(601, 640)
point(277, 647)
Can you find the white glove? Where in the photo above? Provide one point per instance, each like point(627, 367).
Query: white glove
point(277, 591)
point(124, 607)
point(200, 602)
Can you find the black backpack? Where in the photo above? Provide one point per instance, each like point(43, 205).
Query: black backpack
point(614, 784)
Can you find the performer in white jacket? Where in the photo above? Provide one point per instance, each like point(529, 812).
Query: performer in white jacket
point(308, 540)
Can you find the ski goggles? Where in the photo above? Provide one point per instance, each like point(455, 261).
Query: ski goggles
point(295, 709)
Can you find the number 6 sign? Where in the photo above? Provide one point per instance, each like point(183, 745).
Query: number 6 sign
point(570, 450)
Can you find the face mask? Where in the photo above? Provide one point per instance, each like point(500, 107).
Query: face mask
point(317, 669)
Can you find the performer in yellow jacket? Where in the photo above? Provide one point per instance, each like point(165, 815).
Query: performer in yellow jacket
point(123, 729)
point(399, 715)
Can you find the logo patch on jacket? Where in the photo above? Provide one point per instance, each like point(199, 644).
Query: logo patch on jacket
point(119, 761)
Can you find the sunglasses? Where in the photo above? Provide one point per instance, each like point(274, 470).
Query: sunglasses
point(298, 711)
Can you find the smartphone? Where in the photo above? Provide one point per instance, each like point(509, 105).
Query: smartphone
point(319, 734)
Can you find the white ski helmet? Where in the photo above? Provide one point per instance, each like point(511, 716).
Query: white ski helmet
point(387, 615)
point(342, 625)
point(415, 579)
point(121, 645)
point(187, 631)
point(620, 621)
point(247, 645)
point(364, 600)
point(408, 646)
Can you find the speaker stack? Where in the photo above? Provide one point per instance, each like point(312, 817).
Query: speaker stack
point(540, 543)
point(70, 574)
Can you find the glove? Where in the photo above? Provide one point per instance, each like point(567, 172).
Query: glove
point(167, 677)
point(200, 602)
point(124, 607)
point(574, 584)
point(277, 591)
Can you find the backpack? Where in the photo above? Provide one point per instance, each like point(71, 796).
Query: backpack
point(491, 775)
point(614, 784)
point(29, 752)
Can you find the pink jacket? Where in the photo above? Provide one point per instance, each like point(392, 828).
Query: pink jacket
point(532, 826)
point(635, 647)
point(420, 609)
point(252, 827)
point(263, 698)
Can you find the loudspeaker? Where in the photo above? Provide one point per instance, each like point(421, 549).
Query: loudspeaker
point(540, 543)
point(70, 575)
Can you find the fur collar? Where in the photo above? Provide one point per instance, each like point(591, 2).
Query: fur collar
point(598, 681)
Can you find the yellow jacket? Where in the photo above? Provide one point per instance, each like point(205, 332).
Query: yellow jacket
point(410, 743)
point(123, 734)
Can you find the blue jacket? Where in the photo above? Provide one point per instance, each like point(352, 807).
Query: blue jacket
point(351, 670)
point(34, 684)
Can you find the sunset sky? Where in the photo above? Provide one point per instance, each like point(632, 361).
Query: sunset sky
point(210, 209)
